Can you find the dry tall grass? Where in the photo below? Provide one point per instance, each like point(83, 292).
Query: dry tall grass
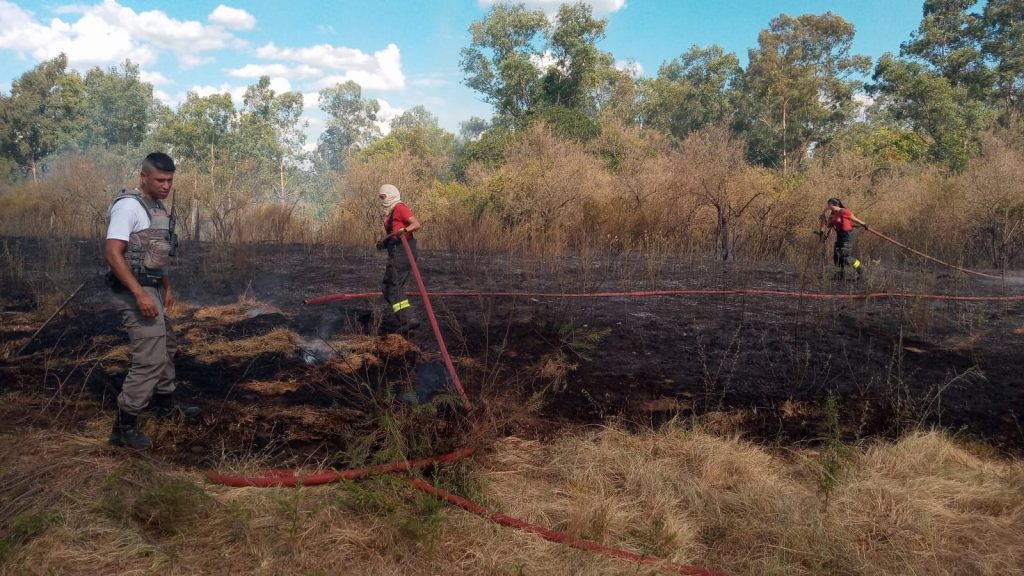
point(921, 505)
point(629, 189)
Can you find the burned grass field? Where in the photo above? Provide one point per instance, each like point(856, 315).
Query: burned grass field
point(750, 434)
point(287, 384)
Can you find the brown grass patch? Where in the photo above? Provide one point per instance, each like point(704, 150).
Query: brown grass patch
point(218, 349)
point(271, 387)
point(354, 362)
point(246, 307)
point(922, 505)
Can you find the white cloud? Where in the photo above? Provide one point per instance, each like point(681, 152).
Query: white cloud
point(232, 18)
point(550, 7)
point(543, 61)
point(282, 70)
point(386, 114)
point(429, 81)
point(154, 78)
point(310, 101)
point(237, 92)
point(632, 67)
point(864, 102)
point(280, 85)
point(380, 71)
point(109, 33)
point(165, 98)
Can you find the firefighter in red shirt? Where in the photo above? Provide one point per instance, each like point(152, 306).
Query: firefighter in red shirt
point(841, 219)
point(399, 221)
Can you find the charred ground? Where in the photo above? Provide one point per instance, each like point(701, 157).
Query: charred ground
point(295, 384)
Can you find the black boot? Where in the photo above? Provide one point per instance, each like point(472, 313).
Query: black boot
point(407, 321)
point(165, 406)
point(126, 432)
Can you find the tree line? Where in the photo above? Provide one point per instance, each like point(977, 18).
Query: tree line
point(802, 95)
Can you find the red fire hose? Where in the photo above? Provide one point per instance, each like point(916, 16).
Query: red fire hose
point(290, 478)
point(559, 537)
point(927, 257)
point(433, 323)
point(651, 293)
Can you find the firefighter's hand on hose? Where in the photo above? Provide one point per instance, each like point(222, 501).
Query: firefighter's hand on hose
point(866, 226)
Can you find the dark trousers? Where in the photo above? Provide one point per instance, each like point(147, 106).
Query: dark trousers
point(396, 275)
point(841, 253)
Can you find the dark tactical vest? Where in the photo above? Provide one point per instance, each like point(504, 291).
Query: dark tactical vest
point(148, 252)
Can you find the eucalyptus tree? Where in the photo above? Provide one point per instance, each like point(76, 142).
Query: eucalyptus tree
point(118, 109)
point(941, 85)
point(1003, 47)
point(799, 86)
point(351, 123)
point(503, 61)
point(41, 115)
point(271, 136)
point(692, 91)
point(529, 67)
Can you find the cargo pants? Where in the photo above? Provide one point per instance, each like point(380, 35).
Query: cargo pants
point(153, 346)
point(396, 275)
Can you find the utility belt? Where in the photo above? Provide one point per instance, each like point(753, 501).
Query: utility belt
point(145, 277)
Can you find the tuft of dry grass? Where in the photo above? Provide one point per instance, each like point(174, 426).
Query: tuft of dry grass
point(211, 350)
point(246, 307)
point(925, 504)
point(271, 387)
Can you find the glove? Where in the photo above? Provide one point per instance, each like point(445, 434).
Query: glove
point(866, 227)
point(382, 244)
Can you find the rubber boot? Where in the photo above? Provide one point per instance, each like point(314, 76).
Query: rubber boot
point(407, 321)
point(165, 406)
point(126, 432)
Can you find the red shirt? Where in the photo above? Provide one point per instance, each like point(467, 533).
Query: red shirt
point(402, 217)
point(841, 220)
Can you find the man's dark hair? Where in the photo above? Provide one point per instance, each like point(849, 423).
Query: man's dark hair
point(836, 202)
point(158, 161)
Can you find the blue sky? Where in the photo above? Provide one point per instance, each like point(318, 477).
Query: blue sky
point(403, 52)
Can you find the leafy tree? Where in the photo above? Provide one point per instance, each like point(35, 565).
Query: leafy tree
point(799, 86)
point(885, 143)
point(473, 128)
point(692, 91)
point(202, 129)
point(618, 96)
point(934, 106)
point(118, 107)
point(1003, 47)
point(271, 133)
point(416, 132)
point(42, 113)
point(489, 149)
point(351, 123)
point(203, 132)
point(947, 39)
point(569, 122)
point(576, 72)
point(502, 62)
point(531, 69)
